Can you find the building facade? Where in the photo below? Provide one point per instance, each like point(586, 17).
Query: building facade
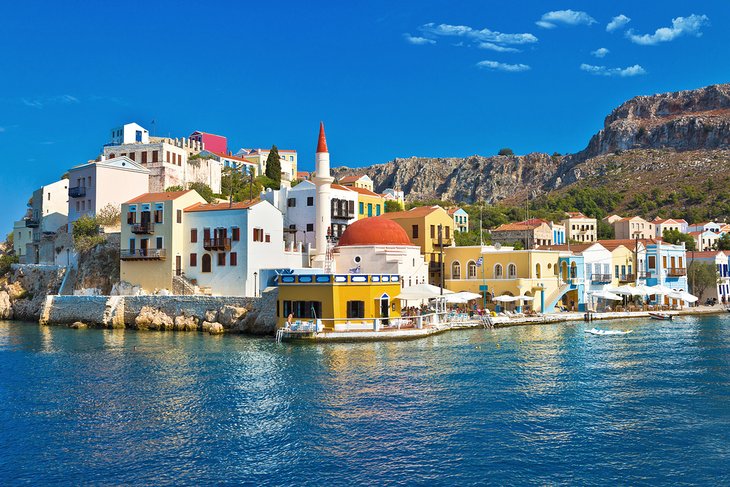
point(287, 158)
point(210, 142)
point(533, 233)
point(580, 228)
point(633, 227)
point(461, 219)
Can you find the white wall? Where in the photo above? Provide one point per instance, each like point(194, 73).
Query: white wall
point(406, 261)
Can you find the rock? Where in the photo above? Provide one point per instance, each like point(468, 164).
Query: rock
point(150, 318)
point(211, 315)
point(78, 325)
point(6, 309)
point(229, 315)
point(186, 323)
point(16, 290)
point(216, 329)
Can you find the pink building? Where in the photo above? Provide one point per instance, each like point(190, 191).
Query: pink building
point(212, 142)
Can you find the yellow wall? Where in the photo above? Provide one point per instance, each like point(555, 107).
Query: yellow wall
point(364, 200)
point(334, 298)
point(526, 280)
point(621, 257)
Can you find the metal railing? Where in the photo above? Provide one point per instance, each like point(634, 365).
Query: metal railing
point(627, 278)
point(147, 227)
point(600, 278)
point(142, 254)
point(217, 244)
point(32, 223)
point(676, 272)
point(77, 192)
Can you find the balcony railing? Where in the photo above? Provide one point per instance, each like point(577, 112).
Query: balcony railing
point(446, 242)
point(143, 254)
point(596, 278)
point(145, 228)
point(676, 272)
point(32, 223)
point(627, 278)
point(644, 274)
point(217, 244)
point(77, 192)
point(337, 213)
point(434, 266)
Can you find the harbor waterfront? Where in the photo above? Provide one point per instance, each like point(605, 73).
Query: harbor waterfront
point(529, 404)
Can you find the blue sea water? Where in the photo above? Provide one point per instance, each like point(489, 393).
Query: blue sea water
point(523, 405)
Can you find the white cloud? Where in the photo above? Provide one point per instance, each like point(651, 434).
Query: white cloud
point(600, 52)
point(42, 101)
point(549, 20)
point(494, 47)
point(510, 68)
point(681, 25)
point(480, 35)
point(634, 70)
point(418, 41)
point(617, 22)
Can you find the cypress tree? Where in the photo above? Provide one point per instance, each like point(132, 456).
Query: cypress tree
point(273, 166)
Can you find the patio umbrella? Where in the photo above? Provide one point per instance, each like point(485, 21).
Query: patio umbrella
point(422, 291)
point(684, 296)
point(606, 295)
point(505, 298)
point(467, 295)
point(524, 298)
point(455, 299)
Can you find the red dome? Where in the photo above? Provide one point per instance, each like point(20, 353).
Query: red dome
point(374, 231)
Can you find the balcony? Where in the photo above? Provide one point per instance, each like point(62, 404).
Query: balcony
point(217, 244)
point(676, 272)
point(434, 266)
point(445, 242)
point(627, 278)
point(337, 213)
point(644, 274)
point(600, 278)
point(143, 228)
point(142, 254)
point(31, 223)
point(77, 192)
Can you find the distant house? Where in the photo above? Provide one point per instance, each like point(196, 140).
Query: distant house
point(666, 224)
point(705, 241)
point(705, 227)
point(580, 228)
point(532, 233)
point(287, 159)
point(633, 227)
point(719, 259)
point(359, 181)
point(461, 219)
point(210, 142)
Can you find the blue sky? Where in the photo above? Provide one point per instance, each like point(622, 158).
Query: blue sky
point(389, 79)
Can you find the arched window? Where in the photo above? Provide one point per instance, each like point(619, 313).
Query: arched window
point(455, 270)
point(511, 271)
point(498, 271)
point(537, 270)
point(471, 270)
point(206, 262)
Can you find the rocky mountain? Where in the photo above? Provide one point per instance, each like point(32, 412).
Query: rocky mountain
point(683, 126)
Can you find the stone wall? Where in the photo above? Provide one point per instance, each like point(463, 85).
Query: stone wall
point(69, 309)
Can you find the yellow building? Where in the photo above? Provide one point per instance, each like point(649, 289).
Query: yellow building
point(368, 203)
point(626, 256)
point(359, 181)
point(152, 238)
point(339, 301)
point(422, 225)
point(506, 271)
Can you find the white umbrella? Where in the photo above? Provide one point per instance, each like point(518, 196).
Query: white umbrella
point(660, 289)
point(643, 290)
point(421, 291)
point(525, 298)
point(683, 295)
point(467, 295)
point(606, 295)
point(455, 299)
point(505, 298)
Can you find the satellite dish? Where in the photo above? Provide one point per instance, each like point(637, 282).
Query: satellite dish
point(497, 246)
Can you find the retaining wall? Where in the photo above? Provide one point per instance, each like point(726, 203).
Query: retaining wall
point(68, 309)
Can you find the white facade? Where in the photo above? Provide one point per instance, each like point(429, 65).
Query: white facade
point(598, 270)
point(706, 240)
point(96, 184)
point(129, 134)
point(22, 240)
point(705, 227)
point(287, 161)
point(579, 228)
point(50, 206)
point(258, 244)
point(406, 261)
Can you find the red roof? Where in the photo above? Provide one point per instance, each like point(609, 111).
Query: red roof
point(364, 191)
point(350, 179)
point(221, 206)
point(322, 142)
point(412, 213)
point(235, 158)
point(374, 231)
point(157, 197)
point(340, 187)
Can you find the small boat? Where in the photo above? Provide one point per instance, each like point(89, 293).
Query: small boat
point(661, 316)
point(598, 331)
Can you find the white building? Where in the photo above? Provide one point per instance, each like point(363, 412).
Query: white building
point(171, 161)
point(598, 266)
point(227, 246)
point(719, 259)
point(287, 160)
point(48, 213)
point(96, 184)
point(580, 228)
point(705, 240)
point(705, 227)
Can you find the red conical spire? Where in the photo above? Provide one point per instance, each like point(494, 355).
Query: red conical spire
point(322, 143)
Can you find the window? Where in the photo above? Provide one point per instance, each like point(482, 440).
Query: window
point(455, 270)
point(132, 155)
point(267, 238)
point(233, 259)
point(158, 243)
point(206, 263)
point(131, 217)
point(88, 184)
point(414, 231)
point(167, 156)
point(370, 209)
point(258, 234)
point(448, 232)
point(193, 260)
point(616, 274)
point(291, 202)
point(131, 245)
point(310, 227)
point(158, 214)
point(538, 271)
point(193, 235)
point(179, 159)
point(471, 270)
point(78, 206)
point(235, 234)
point(377, 210)
point(433, 231)
point(362, 208)
point(221, 259)
point(310, 200)
point(155, 156)
point(138, 136)
point(179, 216)
point(498, 271)
point(356, 309)
point(351, 206)
point(144, 157)
point(511, 271)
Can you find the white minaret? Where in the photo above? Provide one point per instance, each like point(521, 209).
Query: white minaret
point(322, 182)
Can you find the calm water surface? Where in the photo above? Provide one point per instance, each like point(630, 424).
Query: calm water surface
point(541, 404)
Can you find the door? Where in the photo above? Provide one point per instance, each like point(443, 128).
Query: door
point(143, 246)
point(178, 265)
point(384, 309)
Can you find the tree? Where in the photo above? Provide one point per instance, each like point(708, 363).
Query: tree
point(273, 166)
point(109, 216)
point(392, 206)
point(471, 238)
point(5, 262)
point(505, 151)
point(173, 189)
point(723, 243)
point(676, 237)
point(700, 276)
point(605, 231)
point(203, 190)
point(86, 233)
point(518, 245)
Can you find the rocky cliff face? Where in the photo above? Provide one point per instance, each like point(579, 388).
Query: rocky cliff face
point(695, 120)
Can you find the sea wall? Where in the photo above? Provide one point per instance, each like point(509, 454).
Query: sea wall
point(214, 314)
